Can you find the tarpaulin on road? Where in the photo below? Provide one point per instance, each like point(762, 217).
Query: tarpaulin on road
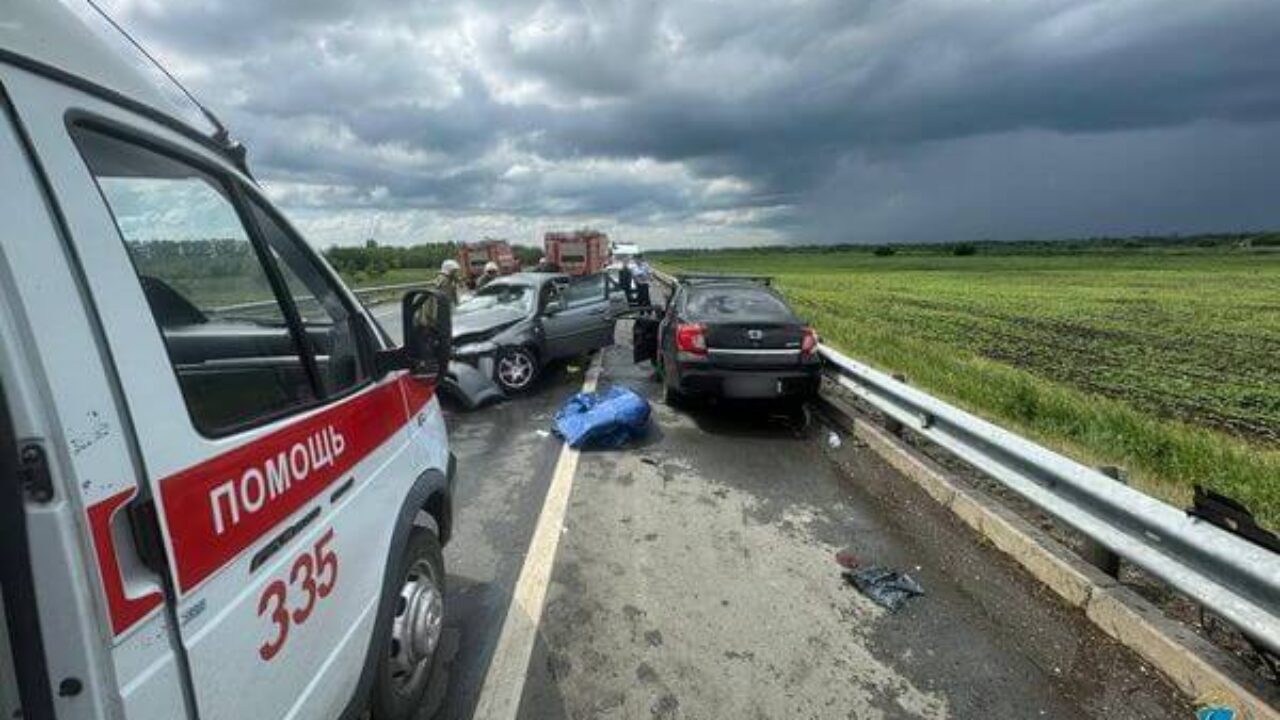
point(609, 418)
point(888, 588)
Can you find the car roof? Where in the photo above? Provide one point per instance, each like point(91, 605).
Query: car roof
point(729, 285)
point(72, 42)
point(531, 279)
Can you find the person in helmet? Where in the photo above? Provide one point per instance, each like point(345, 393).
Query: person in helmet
point(490, 272)
point(449, 281)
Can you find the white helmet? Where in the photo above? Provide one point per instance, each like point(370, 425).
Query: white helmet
point(491, 267)
point(450, 267)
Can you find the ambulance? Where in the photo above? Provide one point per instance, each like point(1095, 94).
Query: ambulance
point(225, 490)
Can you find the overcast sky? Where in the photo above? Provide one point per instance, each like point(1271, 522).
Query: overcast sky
point(685, 122)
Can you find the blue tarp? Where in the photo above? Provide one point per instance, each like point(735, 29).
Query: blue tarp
point(606, 419)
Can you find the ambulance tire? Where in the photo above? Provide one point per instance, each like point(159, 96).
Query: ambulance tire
point(408, 661)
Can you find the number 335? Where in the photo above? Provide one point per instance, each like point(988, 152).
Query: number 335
point(313, 574)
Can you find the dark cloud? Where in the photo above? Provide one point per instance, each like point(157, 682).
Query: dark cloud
point(830, 119)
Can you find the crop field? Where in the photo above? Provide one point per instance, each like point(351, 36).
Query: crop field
point(1166, 363)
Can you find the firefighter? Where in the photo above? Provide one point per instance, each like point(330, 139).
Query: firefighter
point(640, 272)
point(624, 281)
point(449, 281)
point(489, 274)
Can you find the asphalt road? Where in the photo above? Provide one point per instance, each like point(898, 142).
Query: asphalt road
point(695, 578)
point(505, 456)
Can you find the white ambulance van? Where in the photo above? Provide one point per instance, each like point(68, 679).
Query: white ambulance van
point(223, 493)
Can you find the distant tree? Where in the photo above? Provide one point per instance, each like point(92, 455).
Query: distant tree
point(527, 254)
point(963, 249)
point(884, 251)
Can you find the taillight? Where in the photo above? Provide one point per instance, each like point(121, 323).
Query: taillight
point(809, 343)
point(691, 338)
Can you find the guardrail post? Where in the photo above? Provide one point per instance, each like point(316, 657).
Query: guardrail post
point(894, 427)
point(1095, 553)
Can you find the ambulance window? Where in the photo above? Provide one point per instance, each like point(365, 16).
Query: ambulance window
point(330, 327)
point(235, 356)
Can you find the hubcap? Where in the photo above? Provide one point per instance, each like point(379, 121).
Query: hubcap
point(516, 369)
point(415, 632)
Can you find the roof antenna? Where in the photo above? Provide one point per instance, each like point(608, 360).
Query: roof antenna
point(221, 136)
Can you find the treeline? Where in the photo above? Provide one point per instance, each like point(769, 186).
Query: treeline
point(1048, 247)
point(173, 259)
point(217, 257)
point(372, 259)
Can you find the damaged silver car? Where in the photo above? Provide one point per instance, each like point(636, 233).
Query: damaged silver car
point(508, 331)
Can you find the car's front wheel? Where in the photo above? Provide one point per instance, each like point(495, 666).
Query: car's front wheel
point(417, 620)
point(515, 369)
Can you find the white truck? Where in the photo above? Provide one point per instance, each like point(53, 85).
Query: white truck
point(224, 491)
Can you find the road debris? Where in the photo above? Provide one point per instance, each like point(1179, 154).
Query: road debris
point(1216, 706)
point(847, 559)
point(833, 440)
point(609, 418)
point(888, 588)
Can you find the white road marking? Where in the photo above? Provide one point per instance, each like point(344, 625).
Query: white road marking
point(504, 683)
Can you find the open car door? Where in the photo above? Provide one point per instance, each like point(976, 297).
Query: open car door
point(644, 332)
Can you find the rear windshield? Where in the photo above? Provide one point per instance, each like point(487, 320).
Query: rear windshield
point(729, 304)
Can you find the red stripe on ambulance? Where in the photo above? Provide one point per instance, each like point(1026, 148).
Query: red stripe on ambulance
point(217, 509)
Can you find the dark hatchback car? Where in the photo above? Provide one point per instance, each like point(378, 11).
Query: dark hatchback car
point(728, 337)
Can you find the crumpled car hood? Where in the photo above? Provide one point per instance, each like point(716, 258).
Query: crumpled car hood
point(481, 322)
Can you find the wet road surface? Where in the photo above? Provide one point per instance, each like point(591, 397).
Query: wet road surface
point(695, 578)
point(505, 456)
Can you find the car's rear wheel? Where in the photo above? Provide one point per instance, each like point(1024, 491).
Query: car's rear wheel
point(515, 369)
point(417, 621)
point(672, 395)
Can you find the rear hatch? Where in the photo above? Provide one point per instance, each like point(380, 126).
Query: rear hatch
point(754, 336)
point(754, 345)
point(746, 326)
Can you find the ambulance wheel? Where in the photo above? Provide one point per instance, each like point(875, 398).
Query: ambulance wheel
point(417, 620)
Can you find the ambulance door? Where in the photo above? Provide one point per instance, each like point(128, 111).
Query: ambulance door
point(109, 639)
point(277, 459)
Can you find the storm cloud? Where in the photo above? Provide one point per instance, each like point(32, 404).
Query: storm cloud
point(682, 122)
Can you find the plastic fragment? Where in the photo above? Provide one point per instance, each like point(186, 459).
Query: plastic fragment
point(833, 440)
point(847, 559)
point(888, 588)
point(1216, 705)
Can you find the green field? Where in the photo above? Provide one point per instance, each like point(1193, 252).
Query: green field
point(1164, 362)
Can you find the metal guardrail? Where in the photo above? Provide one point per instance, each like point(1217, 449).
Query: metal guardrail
point(385, 288)
point(1236, 579)
point(358, 292)
point(1232, 577)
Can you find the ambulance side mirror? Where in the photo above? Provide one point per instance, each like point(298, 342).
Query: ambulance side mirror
point(428, 331)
